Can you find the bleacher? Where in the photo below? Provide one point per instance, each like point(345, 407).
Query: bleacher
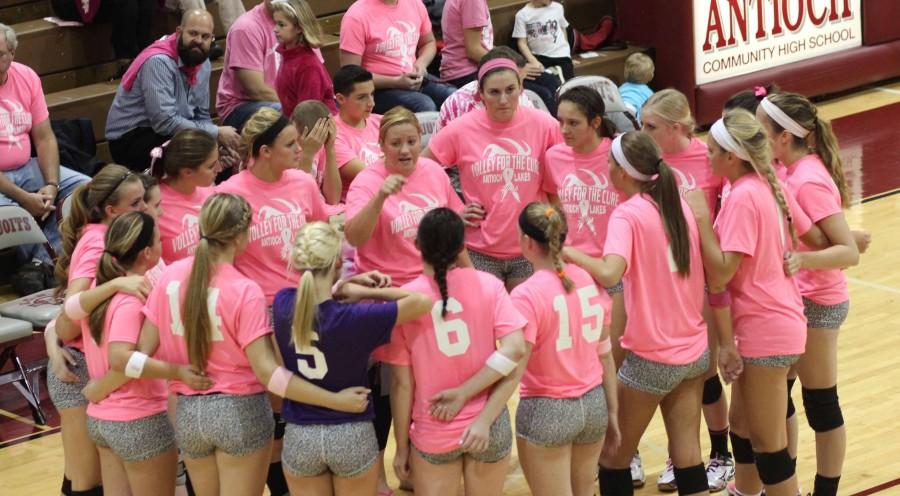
point(76, 63)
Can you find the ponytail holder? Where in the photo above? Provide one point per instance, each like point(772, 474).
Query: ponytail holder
point(110, 253)
point(549, 212)
point(155, 154)
point(561, 273)
point(760, 91)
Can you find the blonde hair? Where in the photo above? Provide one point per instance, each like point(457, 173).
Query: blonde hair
point(821, 138)
point(397, 116)
point(750, 135)
point(638, 68)
point(307, 113)
point(223, 218)
point(671, 105)
point(302, 15)
point(88, 204)
point(316, 248)
point(119, 255)
point(258, 123)
point(550, 221)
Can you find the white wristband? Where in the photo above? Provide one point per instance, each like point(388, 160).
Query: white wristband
point(73, 307)
point(499, 362)
point(135, 366)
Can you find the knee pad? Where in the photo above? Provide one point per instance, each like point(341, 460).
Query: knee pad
point(94, 491)
point(774, 467)
point(66, 488)
point(712, 390)
point(741, 448)
point(280, 425)
point(790, 404)
point(615, 482)
point(823, 411)
point(691, 480)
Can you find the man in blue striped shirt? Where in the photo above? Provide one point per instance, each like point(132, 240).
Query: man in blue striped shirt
point(166, 89)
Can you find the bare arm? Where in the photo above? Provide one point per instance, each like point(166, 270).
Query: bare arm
point(426, 51)
point(843, 252)
point(381, 81)
point(331, 184)
point(350, 170)
point(254, 85)
point(474, 49)
point(607, 271)
point(522, 44)
point(402, 389)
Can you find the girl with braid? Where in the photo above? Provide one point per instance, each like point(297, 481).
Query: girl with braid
point(451, 383)
point(568, 392)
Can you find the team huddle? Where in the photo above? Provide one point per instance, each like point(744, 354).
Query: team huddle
point(600, 275)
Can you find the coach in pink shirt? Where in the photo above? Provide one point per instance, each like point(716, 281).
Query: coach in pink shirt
point(393, 40)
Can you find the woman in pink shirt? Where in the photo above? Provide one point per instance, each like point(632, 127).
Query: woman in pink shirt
point(111, 192)
point(468, 35)
point(186, 168)
point(652, 245)
point(499, 150)
point(563, 413)
point(816, 179)
point(451, 383)
point(283, 198)
point(205, 316)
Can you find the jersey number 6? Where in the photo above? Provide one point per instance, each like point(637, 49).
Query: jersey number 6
point(444, 328)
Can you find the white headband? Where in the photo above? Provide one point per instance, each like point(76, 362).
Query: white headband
point(623, 162)
point(783, 119)
point(726, 140)
point(290, 7)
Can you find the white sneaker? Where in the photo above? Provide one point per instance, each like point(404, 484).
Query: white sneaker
point(732, 491)
point(719, 471)
point(637, 471)
point(666, 480)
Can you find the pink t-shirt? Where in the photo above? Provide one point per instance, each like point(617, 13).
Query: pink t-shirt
point(240, 317)
point(692, 171)
point(445, 352)
point(22, 106)
point(250, 45)
point(466, 99)
point(818, 196)
point(85, 257)
point(152, 276)
point(565, 330)
point(665, 323)
point(180, 220)
point(501, 167)
point(460, 15)
point(392, 249)
point(766, 307)
point(280, 209)
point(385, 36)
point(138, 398)
point(356, 143)
point(582, 183)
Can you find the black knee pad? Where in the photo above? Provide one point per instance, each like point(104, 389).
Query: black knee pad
point(712, 390)
point(790, 405)
point(280, 425)
point(691, 480)
point(775, 467)
point(66, 488)
point(615, 481)
point(823, 411)
point(741, 448)
point(94, 491)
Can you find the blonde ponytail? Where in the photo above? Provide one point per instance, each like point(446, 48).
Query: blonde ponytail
point(316, 248)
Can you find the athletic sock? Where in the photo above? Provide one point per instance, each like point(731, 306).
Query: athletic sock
point(718, 441)
point(826, 486)
point(275, 480)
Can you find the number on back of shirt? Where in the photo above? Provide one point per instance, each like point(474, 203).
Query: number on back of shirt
point(212, 297)
point(591, 317)
point(317, 367)
point(453, 334)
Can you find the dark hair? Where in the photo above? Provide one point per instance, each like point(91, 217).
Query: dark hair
point(149, 182)
point(503, 52)
point(643, 153)
point(346, 78)
point(440, 238)
point(591, 105)
point(188, 149)
point(749, 99)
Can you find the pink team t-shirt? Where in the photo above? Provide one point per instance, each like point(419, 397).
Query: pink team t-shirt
point(85, 257)
point(818, 196)
point(692, 171)
point(138, 398)
point(587, 197)
point(665, 323)
point(180, 220)
point(280, 209)
point(250, 45)
point(501, 167)
point(460, 15)
point(445, 352)
point(356, 143)
point(392, 249)
point(565, 330)
point(385, 36)
point(22, 106)
point(766, 307)
point(240, 317)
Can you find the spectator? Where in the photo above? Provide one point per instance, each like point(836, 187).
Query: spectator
point(540, 33)
point(392, 39)
point(356, 145)
point(229, 10)
point(468, 35)
point(302, 76)
point(165, 89)
point(34, 183)
point(635, 92)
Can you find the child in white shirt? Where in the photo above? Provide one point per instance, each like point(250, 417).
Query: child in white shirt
point(540, 32)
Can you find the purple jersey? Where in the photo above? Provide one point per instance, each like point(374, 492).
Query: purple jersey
point(339, 358)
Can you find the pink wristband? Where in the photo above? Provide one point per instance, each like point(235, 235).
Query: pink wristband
point(719, 300)
point(604, 346)
point(73, 307)
point(279, 381)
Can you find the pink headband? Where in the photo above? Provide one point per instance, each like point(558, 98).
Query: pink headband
point(501, 63)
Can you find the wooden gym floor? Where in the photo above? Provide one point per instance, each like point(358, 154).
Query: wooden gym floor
point(866, 122)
